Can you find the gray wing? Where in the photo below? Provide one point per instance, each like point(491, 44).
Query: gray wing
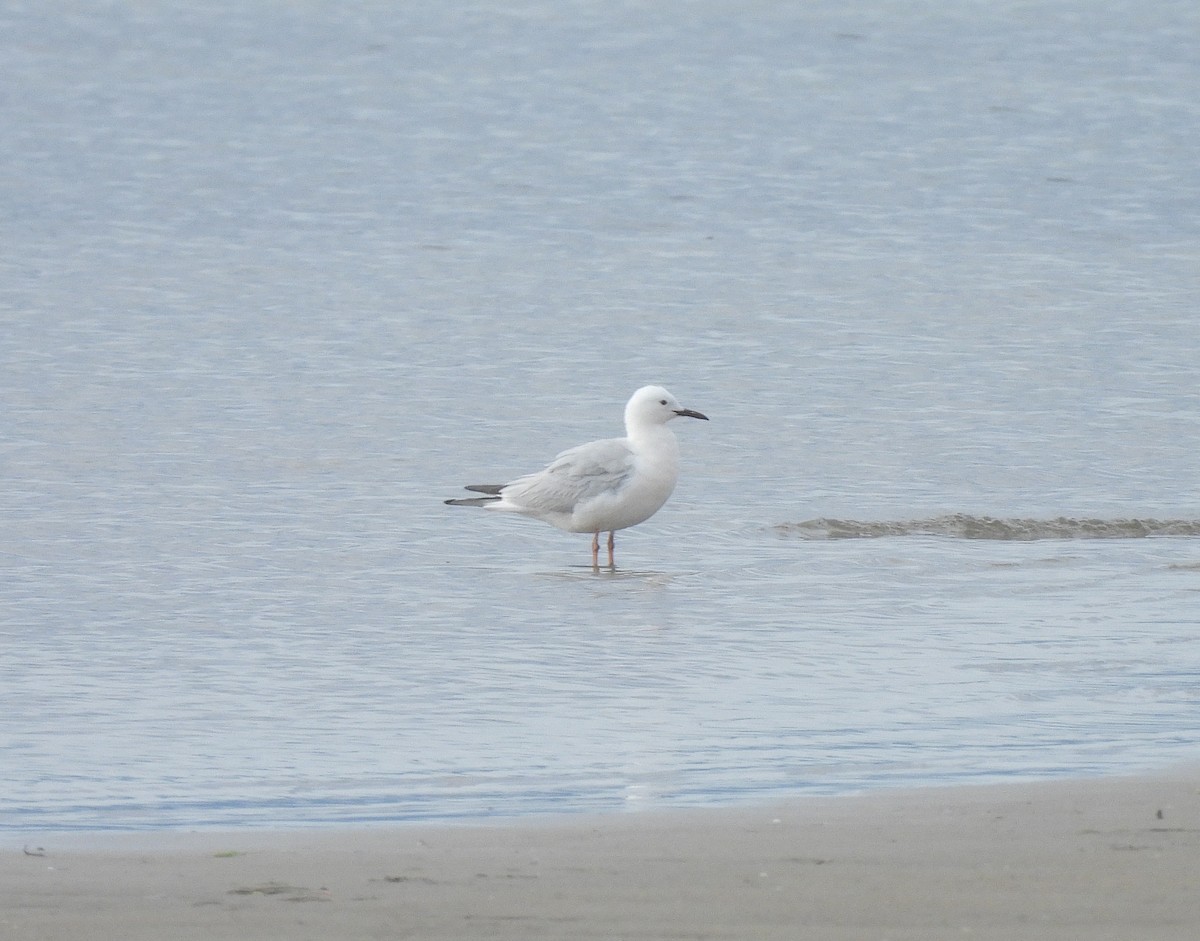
point(574, 477)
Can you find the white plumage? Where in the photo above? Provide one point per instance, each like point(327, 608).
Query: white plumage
point(601, 486)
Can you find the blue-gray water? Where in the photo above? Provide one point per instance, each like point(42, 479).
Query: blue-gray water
point(278, 278)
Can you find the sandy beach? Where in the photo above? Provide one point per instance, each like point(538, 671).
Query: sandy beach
point(1096, 859)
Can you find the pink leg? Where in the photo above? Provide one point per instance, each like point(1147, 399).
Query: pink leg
point(595, 550)
point(611, 564)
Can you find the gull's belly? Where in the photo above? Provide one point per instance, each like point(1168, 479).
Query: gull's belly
point(635, 504)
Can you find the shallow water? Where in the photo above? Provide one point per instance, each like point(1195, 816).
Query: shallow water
point(282, 278)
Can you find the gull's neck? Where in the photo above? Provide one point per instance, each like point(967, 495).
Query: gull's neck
point(650, 435)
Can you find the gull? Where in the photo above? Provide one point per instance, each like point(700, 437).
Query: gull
point(601, 486)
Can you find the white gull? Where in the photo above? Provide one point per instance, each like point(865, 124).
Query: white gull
point(601, 486)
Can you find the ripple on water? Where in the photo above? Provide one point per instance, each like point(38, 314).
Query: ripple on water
point(966, 526)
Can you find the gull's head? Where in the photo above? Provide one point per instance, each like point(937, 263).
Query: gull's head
point(654, 405)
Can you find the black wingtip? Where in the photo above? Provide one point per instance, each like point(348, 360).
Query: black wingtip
point(490, 489)
point(472, 501)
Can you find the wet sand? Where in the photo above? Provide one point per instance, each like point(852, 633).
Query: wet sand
point(1096, 859)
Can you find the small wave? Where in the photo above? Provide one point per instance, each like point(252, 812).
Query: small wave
point(965, 526)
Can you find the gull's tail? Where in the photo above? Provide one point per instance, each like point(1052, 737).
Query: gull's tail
point(492, 491)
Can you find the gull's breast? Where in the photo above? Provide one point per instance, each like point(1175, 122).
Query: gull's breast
point(643, 496)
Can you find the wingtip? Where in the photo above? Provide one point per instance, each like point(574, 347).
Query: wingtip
point(490, 489)
point(472, 501)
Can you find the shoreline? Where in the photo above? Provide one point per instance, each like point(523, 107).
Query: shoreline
point(1102, 858)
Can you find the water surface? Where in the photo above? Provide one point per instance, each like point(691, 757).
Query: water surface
point(279, 278)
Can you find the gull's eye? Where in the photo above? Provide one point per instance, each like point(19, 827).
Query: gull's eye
point(662, 401)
